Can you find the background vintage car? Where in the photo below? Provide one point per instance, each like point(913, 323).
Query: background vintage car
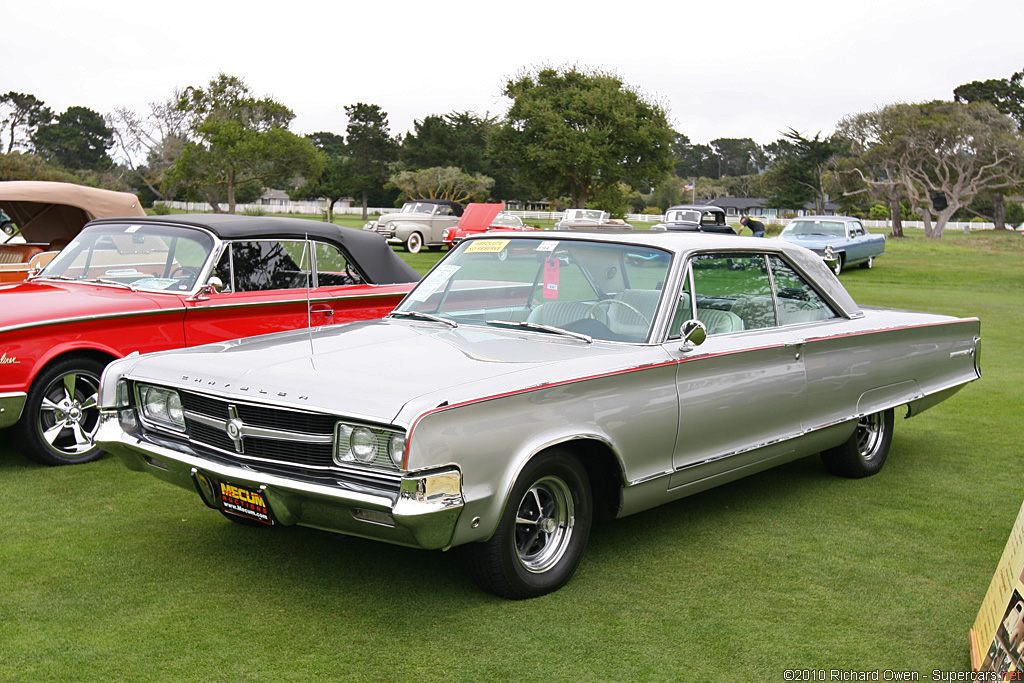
point(695, 218)
point(590, 219)
point(420, 223)
point(150, 284)
point(532, 384)
point(44, 216)
point(840, 240)
point(474, 222)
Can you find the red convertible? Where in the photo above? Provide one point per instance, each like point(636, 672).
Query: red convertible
point(479, 218)
point(148, 284)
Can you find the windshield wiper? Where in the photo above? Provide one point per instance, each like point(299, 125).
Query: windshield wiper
point(543, 328)
point(101, 281)
point(423, 316)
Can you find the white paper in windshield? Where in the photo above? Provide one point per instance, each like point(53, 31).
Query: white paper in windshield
point(433, 282)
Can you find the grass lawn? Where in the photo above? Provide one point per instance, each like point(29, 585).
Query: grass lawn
point(108, 574)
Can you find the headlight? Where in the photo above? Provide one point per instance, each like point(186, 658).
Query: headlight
point(161, 406)
point(363, 444)
point(396, 448)
point(368, 445)
point(444, 235)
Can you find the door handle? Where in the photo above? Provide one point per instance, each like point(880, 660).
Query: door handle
point(325, 309)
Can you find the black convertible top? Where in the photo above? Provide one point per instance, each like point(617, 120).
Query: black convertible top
point(368, 250)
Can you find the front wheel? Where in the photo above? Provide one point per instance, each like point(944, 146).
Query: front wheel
point(838, 267)
point(541, 536)
point(414, 243)
point(864, 453)
point(62, 413)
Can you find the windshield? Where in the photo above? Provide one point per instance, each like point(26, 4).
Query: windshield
point(418, 207)
point(507, 221)
point(800, 227)
point(142, 256)
point(589, 215)
point(597, 289)
point(682, 217)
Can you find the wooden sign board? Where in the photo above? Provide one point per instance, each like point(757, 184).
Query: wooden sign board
point(997, 639)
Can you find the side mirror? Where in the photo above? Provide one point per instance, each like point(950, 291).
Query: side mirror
point(693, 333)
point(214, 285)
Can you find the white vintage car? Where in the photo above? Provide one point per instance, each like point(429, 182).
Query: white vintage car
point(533, 384)
point(419, 224)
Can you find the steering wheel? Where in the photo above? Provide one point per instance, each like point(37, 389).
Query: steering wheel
point(617, 302)
point(185, 270)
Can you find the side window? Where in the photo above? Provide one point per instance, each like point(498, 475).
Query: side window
point(798, 301)
point(333, 268)
point(858, 230)
point(733, 292)
point(261, 265)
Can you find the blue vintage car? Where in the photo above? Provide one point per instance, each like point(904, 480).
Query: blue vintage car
point(840, 240)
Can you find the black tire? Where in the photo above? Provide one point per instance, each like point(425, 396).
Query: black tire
point(838, 267)
point(869, 263)
point(864, 453)
point(539, 553)
point(61, 414)
point(414, 243)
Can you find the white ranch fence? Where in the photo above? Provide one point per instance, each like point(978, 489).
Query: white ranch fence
point(317, 207)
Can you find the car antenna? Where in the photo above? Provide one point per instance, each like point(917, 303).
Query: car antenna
point(309, 275)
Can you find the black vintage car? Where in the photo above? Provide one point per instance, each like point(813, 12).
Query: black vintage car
point(695, 218)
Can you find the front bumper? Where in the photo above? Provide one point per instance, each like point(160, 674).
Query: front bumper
point(11, 406)
point(422, 513)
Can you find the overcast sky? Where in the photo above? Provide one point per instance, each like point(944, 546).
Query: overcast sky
point(721, 68)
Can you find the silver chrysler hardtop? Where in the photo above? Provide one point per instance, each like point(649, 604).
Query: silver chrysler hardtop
point(532, 384)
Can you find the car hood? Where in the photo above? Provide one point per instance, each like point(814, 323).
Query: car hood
point(384, 370)
point(43, 302)
point(478, 216)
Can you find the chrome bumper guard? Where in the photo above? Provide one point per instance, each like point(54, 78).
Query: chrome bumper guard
point(422, 514)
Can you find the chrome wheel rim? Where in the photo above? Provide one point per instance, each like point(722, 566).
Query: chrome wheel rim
point(69, 413)
point(414, 243)
point(544, 524)
point(869, 435)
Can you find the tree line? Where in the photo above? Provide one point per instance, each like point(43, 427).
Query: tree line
point(574, 136)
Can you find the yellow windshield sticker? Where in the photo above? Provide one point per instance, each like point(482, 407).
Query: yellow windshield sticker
point(487, 246)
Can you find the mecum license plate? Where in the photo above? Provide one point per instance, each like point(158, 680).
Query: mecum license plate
point(245, 502)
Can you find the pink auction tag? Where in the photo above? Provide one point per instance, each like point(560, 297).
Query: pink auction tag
point(551, 266)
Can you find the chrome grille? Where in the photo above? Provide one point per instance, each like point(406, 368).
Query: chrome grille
point(286, 441)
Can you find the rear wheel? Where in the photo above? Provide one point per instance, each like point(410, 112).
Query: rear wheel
point(542, 533)
point(62, 413)
point(864, 453)
point(414, 243)
point(869, 263)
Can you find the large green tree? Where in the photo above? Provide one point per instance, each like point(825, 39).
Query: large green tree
point(22, 114)
point(150, 144)
point(459, 139)
point(737, 156)
point(1006, 95)
point(580, 134)
point(237, 140)
point(371, 149)
point(939, 155)
point(798, 175)
point(77, 139)
point(443, 182)
point(336, 180)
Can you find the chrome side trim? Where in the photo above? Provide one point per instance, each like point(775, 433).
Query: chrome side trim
point(11, 405)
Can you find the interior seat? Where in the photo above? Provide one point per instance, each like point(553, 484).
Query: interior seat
point(719, 322)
